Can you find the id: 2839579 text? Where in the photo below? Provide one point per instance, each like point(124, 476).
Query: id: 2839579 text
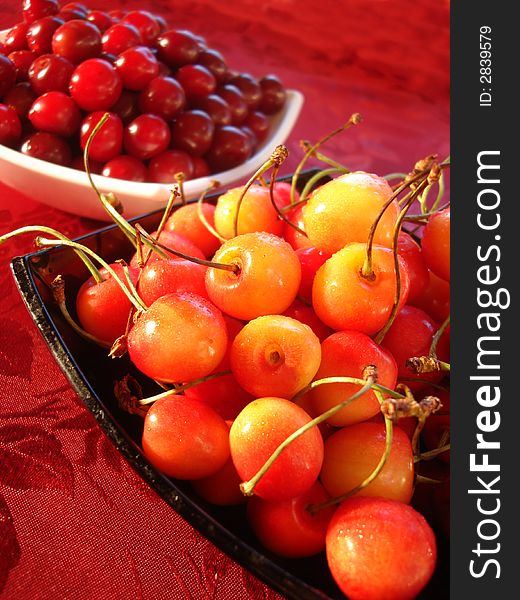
point(485, 66)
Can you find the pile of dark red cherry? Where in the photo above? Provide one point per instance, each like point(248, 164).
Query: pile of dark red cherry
point(174, 104)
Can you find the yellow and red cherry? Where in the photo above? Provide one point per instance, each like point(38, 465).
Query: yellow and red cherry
point(436, 244)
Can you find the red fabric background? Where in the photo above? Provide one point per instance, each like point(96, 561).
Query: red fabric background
point(75, 519)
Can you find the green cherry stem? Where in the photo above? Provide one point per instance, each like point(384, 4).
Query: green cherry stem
point(310, 185)
point(354, 119)
point(276, 207)
point(49, 231)
point(389, 430)
point(437, 337)
point(135, 300)
point(306, 145)
point(279, 154)
point(212, 186)
point(247, 487)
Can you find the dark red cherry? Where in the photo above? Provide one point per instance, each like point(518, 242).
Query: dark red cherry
point(230, 148)
point(39, 34)
point(126, 107)
point(7, 75)
point(15, 38)
point(95, 85)
point(101, 19)
point(55, 112)
point(47, 146)
point(145, 23)
point(200, 167)
point(177, 48)
point(273, 94)
point(217, 108)
point(252, 137)
point(79, 6)
point(71, 15)
point(146, 136)
point(76, 41)
point(258, 123)
point(197, 81)
point(22, 60)
point(164, 166)
point(249, 87)
point(125, 167)
point(36, 9)
point(137, 67)
point(108, 141)
point(10, 126)
point(236, 102)
point(214, 62)
point(50, 72)
point(192, 132)
point(163, 96)
point(120, 37)
point(20, 97)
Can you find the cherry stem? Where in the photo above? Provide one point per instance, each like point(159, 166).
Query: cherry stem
point(276, 207)
point(389, 429)
point(279, 154)
point(200, 261)
point(212, 186)
point(49, 231)
point(437, 337)
point(306, 145)
point(355, 119)
point(397, 298)
point(247, 487)
point(181, 388)
point(135, 300)
point(423, 217)
point(58, 293)
point(391, 176)
point(431, 454)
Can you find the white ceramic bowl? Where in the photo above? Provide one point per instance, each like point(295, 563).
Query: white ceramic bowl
point(69, 189)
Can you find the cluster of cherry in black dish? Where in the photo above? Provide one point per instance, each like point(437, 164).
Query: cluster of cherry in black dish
point(174, 104)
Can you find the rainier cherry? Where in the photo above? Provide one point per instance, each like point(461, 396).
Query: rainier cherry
point(181, 337)
point(379, 548)
point(343, 210)
point(256, 433)
point(347, 353)
point(266, 279)
point(177, 427)
point(275, 355)
point(436, 243)
point(185, 221)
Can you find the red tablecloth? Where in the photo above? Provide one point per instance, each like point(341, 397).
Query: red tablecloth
point(75, 520)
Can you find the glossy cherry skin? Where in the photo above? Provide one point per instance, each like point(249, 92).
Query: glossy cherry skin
point(173, 328)
point(217, 108)
point(15, 38)
point(165, 166)
point(137, 67)
point(214, 62)
point(126, 107)
point(379, 548)
point(40, 33)
point(435, 299)
point(20, 97)
point(162, 96)
point(347, 353)
point(230, 147)
point(193, 132)
point(22, 60)
point(101, 19)
point(10, 126)
point(287, 528)
point(55, 112)
point(222, 487)
point(146, 136)
point(186, 222)
point(249, 87)
point(197, 81)
point(311, 259)
point(108, 141)
point(36, 9)
point(352, 453)
point(236, 102)
point(208, 449)
point(177, 48)
point(145, 23)
point(7, 75)
point(259, 125)
point(50, 73)
point(273, 95)
point(306, 315)
point(410, 251)
point(47, 146)
point(76, 41)
point(126, 167)
point(95, 85)
point(103, 308)
point(258, 430)
point(119, 37)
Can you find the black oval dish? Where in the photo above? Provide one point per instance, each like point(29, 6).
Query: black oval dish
point(92, 375)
